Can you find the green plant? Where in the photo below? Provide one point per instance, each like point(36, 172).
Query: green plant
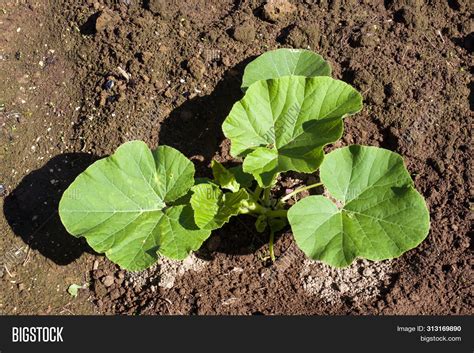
point(139, 203)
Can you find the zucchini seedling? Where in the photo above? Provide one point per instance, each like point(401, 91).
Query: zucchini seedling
point(138, 204)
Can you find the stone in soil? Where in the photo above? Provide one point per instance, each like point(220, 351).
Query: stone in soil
point(106, 19)
point(3, 190)
point(196, 68)
point(108, 281)
point(275, 10)
point(158, 7)
point(244, 33)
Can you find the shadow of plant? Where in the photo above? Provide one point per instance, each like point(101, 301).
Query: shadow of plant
point(32, 208)
point(194, 128)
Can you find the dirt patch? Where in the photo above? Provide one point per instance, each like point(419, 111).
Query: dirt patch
point(38, 99)
point(168, 73)
point(361, 282)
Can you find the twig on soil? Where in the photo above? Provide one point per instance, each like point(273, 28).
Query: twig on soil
point(27, 258)
point(438, 32)
point(64, 309)
point(6, 269)
point(429, 41)
point(403, 55)
point(168, 301)
point(124, 73)
point(366, 91)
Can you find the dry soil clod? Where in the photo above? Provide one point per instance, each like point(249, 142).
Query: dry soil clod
point(275, 10)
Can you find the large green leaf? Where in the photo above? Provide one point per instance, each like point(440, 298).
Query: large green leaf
point(380, 216)
point(124, 205)
point(285, 62)
point(283, 124)
point(213, 208)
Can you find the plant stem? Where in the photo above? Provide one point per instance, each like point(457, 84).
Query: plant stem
point(276, 213)
point(270, 245)
point(266, 196)
point(257, 192)
point(303, 188)
point(252, 207)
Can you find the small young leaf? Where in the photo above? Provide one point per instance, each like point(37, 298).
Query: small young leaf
point(73, 289)
point(124, 206)
point(205, 201)
point(224, 177)
point(261, 223)
point(283, 124)
point(213, 208)
point(382, 215)
point(232, 179)
point(285, 62)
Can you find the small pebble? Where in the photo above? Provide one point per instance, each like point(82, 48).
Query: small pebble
point(3, 190)
point(368, 271)
point(108, 281)
point(109, 84)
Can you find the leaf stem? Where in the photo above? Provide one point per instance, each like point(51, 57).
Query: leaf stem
point(257, 192)
point(298, 190)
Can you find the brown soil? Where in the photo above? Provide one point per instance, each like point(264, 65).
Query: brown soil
point(168, 72)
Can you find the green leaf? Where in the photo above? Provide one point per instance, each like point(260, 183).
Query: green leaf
point(73, 289)
point(224, 177)
point(285, 62)
point(204, 180)
point(244, 179)
point(180, 234)
point(263, 164)
point(124, 206)
point(232, 179)
point(381, 214)
point(283, 124)
point(213, 208)
point(277, 224)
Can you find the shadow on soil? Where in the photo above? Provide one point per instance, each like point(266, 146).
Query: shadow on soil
point(194, 128)
point(32, 208)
